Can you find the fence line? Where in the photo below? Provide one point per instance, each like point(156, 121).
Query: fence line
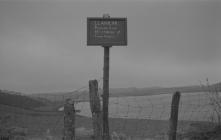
point(135, 116)
point(193, 108)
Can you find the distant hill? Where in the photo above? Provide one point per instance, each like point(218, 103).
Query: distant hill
point(120, 92)
point(59, 96)
point(18, 100)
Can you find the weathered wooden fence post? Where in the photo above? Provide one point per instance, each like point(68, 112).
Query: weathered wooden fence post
point(174, 116)
point(95, 109)
point(69, 120)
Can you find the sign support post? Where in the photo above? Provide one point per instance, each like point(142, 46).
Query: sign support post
point(106, 92)
point(106, 135)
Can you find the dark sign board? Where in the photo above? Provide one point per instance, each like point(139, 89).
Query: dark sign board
point(107, 31)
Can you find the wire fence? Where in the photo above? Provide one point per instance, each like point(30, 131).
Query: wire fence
point(136, 117)
point(147, 116)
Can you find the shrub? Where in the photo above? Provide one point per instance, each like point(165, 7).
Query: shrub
point(213, 92)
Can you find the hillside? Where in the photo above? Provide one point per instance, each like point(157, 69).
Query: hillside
point(18, 100)
point(154, 91)
point(50, 101)
point(120, 92)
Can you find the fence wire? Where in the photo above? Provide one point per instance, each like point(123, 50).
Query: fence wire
point(148, 116)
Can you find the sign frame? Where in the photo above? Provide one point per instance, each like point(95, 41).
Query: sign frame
point(93, 42)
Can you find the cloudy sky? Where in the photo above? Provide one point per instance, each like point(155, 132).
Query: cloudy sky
point(170, 43)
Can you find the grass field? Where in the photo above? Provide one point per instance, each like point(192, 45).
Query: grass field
point(41, 125)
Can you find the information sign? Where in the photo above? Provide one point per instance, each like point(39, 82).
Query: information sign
point(107, 31)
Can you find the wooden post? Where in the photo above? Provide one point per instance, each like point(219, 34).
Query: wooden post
point(95, 109)
point(174, 116)
point(106, 94)
point(106, 135)
point(69, 120)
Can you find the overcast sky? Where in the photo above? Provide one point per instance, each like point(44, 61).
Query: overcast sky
point(170, 43)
